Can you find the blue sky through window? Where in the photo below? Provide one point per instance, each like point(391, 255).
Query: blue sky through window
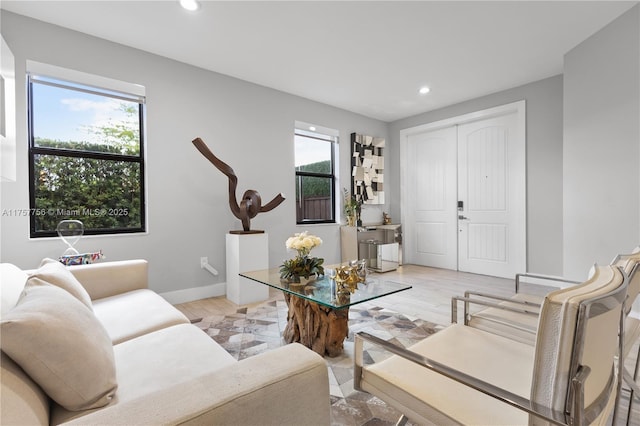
point(70, 115)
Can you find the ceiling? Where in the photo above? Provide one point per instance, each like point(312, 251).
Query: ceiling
point(369, 57)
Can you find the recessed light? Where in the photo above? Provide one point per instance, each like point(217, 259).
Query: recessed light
point(424, 90)
point(313, 129)
point(190, 5)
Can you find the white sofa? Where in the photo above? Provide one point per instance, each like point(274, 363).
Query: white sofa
point(156, 367)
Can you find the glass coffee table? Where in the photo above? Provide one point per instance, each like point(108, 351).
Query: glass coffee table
point(318, 311)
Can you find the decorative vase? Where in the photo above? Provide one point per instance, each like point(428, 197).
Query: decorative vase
point(351, 220)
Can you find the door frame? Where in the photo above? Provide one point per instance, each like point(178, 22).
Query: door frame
point(518, 107)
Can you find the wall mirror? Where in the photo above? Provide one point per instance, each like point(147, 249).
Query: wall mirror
point(367, 168)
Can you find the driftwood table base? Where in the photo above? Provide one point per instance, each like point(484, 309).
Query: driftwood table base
point(318, 327)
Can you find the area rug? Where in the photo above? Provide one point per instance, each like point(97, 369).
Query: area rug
point(250, 331)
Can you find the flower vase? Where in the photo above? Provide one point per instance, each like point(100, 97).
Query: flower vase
point(351, 220)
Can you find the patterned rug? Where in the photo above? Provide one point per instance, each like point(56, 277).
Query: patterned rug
point(250, 331)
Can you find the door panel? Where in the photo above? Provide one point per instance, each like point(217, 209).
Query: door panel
point(431, 208)
point(432, 238)
point(479, 160)
point(491, 184)
point(487, 242)
point(486, 169)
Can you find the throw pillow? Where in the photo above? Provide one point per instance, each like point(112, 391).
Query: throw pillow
point(62, 346)
point(53, 272)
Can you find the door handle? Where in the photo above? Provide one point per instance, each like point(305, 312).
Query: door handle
point(462, 217)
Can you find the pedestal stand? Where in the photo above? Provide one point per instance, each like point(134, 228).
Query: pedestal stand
point(246, 252)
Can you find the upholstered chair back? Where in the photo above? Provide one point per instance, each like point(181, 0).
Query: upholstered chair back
point(578, 327)
point(630, 263)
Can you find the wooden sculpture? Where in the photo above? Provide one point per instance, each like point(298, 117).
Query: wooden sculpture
point(251, 203)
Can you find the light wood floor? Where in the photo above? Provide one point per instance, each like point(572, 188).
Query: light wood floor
point(429, 299)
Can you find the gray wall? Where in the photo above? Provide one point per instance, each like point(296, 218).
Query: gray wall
point(602, 145)
point(544, 164)
point(248, 126)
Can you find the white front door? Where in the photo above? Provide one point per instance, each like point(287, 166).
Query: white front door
point(491, 188)
point(464, 192)
point(431, 209)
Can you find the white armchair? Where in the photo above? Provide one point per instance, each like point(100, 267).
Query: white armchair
point(517, 317)
point(463, 375)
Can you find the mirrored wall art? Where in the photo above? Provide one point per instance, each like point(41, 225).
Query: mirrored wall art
point(367, 168)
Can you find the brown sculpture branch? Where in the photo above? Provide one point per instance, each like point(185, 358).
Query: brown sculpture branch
point(250, 204)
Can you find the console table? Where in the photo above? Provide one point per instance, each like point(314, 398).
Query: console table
point(318, 314)
point(379, 245)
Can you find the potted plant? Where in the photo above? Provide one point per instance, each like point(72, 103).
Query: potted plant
point(351, 207)
point(302, 265)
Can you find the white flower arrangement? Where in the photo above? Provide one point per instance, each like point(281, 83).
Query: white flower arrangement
point(303, 243)
point(302, 265)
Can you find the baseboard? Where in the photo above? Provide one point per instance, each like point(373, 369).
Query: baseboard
point(195, 293)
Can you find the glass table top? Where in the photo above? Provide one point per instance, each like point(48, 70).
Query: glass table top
point(322, 290)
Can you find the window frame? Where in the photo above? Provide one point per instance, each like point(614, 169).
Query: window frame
point(333, 141)
point(82, 86)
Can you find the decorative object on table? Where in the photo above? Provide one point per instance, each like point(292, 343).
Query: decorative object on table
point(302, 265)
point(361, 269)
point(386, 219)
point(81, 259)
point(251, 203)
point(348, 276)
point(70, 232)
point(351, 207)
point(367, 169)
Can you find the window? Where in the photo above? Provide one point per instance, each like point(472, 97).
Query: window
point(315, 175)
point(86, 157)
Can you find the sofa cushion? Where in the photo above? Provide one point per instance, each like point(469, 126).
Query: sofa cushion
point(164, 357)
point(53, 272)
point(23, 402)
point(159, 360)
point(67, 351)
point(110, 278)
point(12, 281)
point(285, 386)
point(134, 313)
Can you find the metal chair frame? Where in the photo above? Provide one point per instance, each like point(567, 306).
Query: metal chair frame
point(525, 307)
point(629, 379)
point(575, 413)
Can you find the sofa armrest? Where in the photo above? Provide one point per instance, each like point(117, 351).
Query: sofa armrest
point(284, 386)
point(110, 278)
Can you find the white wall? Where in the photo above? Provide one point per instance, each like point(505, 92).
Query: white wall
point(544, 164)
point(602, 146)
point(248, 126)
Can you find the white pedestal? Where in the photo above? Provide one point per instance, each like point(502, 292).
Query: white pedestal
point(246, 252)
